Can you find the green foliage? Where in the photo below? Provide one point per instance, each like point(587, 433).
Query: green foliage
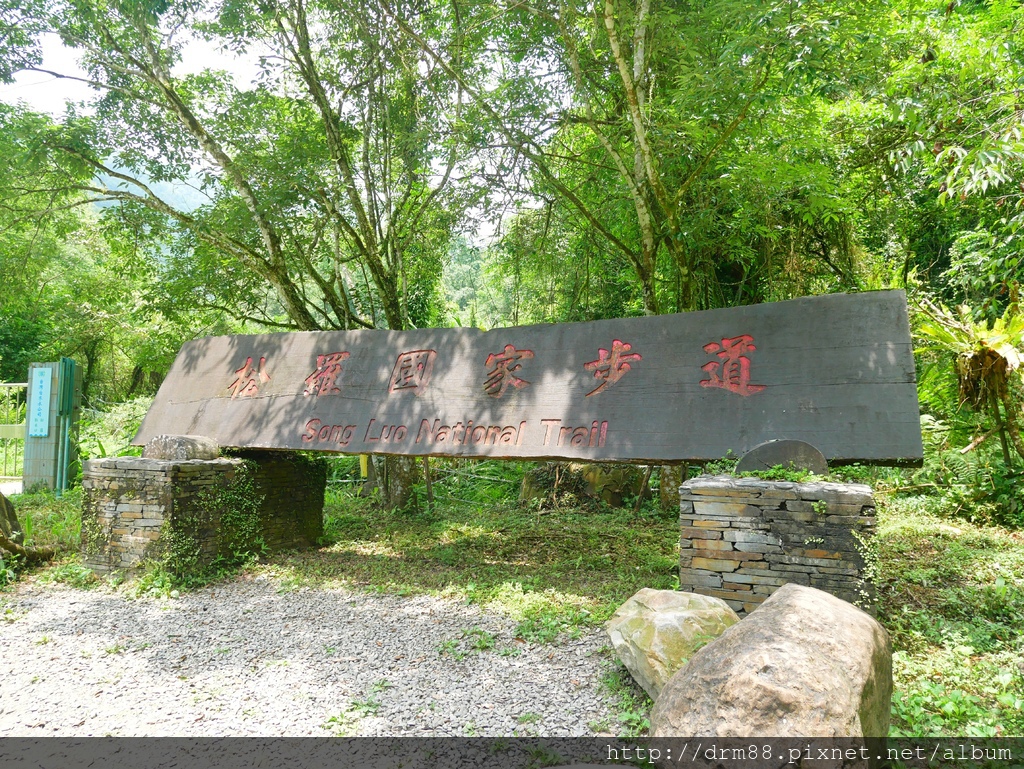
point(951, 595)
point(72, 287)
point(236, 510)
point(8, 569)
point(640, 158)
point(49, 521)
point(239, 505)
point(976, 486)
point(157, 581)
point(107, 432)
point(325, 189)
point(70, 572)
point(473, 640)
point(724, 466)
point(631, 703)
point(783, 473)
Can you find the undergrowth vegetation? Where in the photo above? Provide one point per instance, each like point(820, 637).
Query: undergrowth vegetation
point(950, 578)
point(554, 569)
point(46, 521)
point(951, 594)
point(108, 432)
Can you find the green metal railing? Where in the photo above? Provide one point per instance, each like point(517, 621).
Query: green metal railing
point(12, 429)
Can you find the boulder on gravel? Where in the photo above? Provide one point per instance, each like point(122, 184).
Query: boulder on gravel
point(803, 664)
point(656, 631)
point(181, 447)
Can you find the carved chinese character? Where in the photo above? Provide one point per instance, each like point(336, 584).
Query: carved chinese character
point(248, 379)
point(412, 371)
point(732, 372)
point(610, 366)
point(324, 380)
point(506, 364)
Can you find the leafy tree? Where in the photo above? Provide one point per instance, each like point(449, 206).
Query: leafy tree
point(67, 291)
point(626, 111)
point(329, 180)
point(954, 110)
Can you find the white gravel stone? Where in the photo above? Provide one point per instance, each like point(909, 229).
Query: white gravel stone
point(241, 659)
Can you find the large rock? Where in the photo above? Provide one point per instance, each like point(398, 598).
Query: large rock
point(804, 664)
point(656, 631)
point(611, 483)
point(181, 447)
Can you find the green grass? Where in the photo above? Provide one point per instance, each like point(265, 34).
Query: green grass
point(48, 521)
point(69, 571)
point(951, 594)
point(950, 591)
point(631, 703)
point(554, 571)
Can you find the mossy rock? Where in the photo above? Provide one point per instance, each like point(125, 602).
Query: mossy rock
point(556, 481)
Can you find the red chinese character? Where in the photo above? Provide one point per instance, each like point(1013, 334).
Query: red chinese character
point(324, 380)
point(506, 364)
point(732, 373)
point(248, 379)
point(610, 366)
point(412, 371)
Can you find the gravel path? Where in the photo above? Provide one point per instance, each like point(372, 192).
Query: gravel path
point(242, 659)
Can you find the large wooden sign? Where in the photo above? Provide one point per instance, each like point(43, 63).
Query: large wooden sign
point(836, 371)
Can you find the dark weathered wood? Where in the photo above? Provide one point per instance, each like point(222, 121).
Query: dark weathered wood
point(835, 371)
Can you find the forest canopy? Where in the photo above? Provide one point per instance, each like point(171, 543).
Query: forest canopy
point(401, 165)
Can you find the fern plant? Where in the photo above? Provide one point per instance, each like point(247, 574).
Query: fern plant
point(987, 360)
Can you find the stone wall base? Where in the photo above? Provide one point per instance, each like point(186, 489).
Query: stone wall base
point(742, 538)
point(190, 513)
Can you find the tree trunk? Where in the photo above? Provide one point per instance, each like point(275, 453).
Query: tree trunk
point(668, 491)
point(1012, 421)
point(10, 532)
point(397, 483)
point(9, 526)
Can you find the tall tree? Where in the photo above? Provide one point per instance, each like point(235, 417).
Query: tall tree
point(71, 286)
point(661, 92)
point(330, 178)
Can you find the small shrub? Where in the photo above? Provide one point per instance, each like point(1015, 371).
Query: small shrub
point(108, 433)
point(156, 582)
point(51, 521)
point(629, 701)
point(72, 573)
point(8, 573)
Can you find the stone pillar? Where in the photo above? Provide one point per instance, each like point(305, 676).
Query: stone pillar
point(742, 538)
point(188, 513)
point(129, 503)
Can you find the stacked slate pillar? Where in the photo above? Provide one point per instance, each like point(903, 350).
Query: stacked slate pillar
point(742, 538)
point(133, 505)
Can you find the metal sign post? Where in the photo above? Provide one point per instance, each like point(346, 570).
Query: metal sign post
point(54, 395)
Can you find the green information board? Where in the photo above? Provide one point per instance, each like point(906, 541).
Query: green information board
point(39, 402)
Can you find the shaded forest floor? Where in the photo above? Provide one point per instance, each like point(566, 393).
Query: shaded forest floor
point(950, 591)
